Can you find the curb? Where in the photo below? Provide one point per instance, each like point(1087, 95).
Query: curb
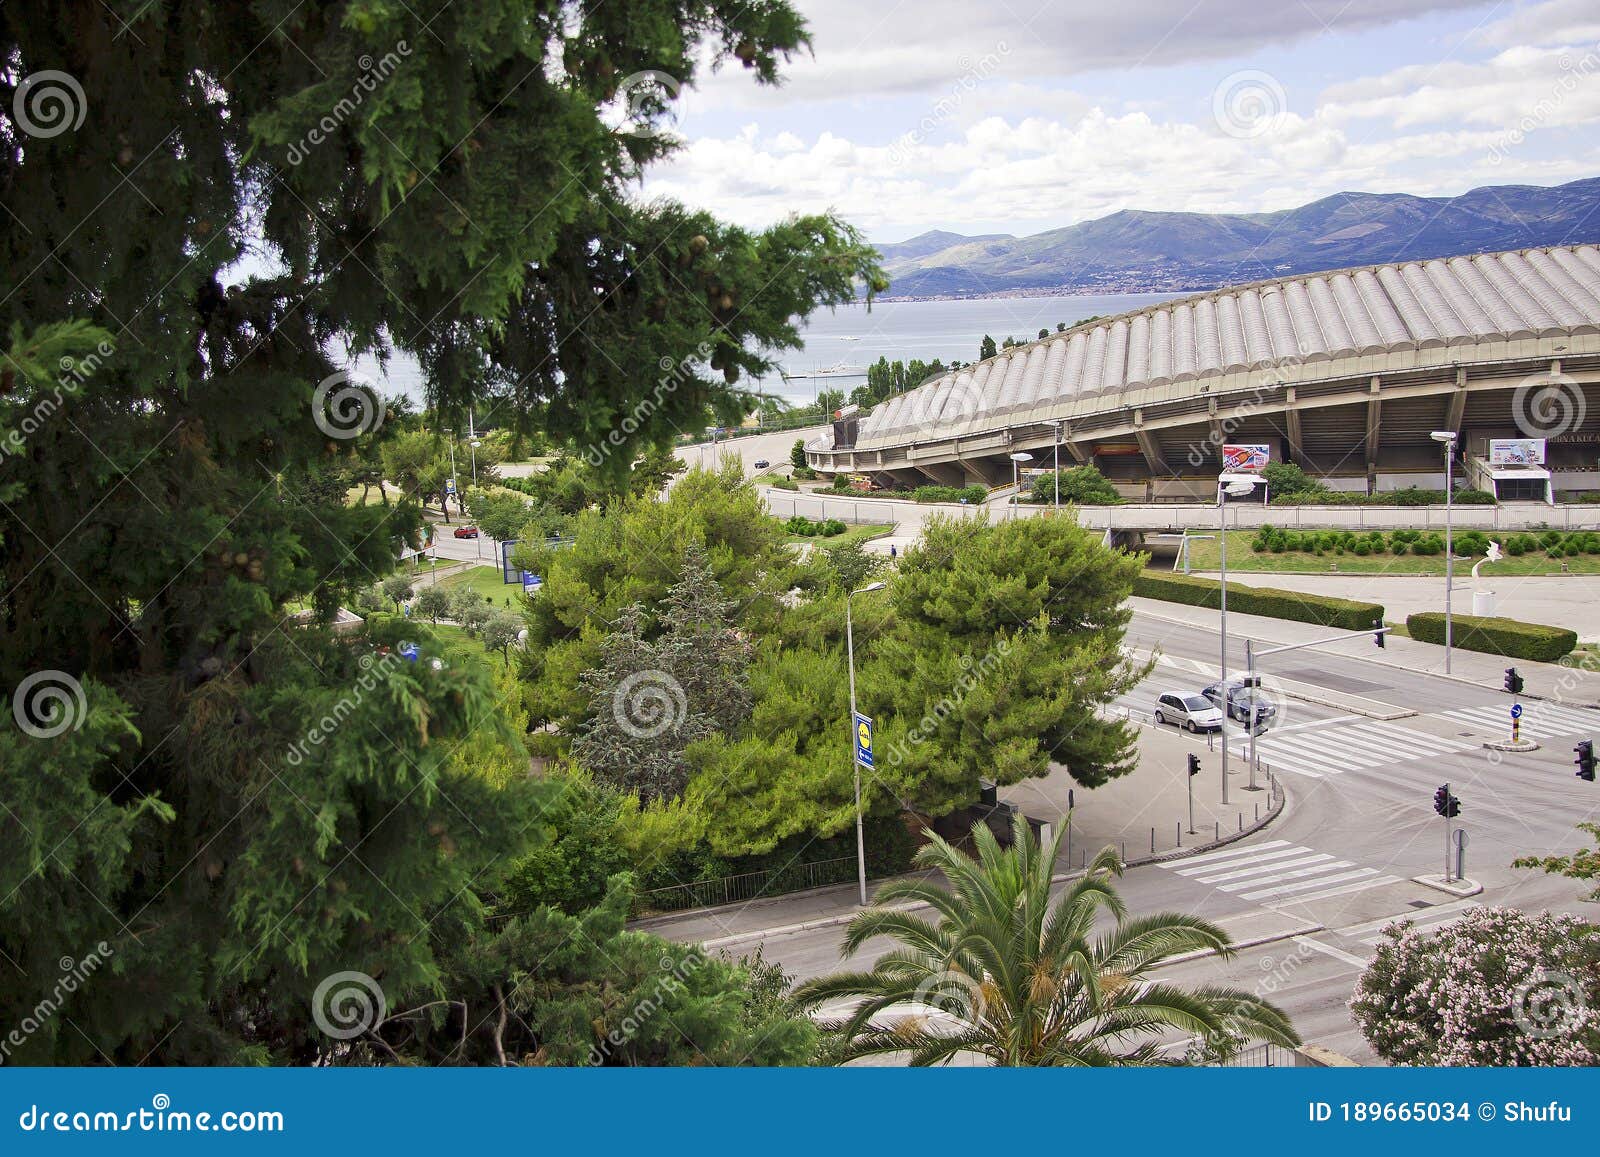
point(1242, 945)
point(846, 917)
point(1460, 888)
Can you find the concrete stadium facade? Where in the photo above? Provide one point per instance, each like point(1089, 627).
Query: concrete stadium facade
point(1346, 372)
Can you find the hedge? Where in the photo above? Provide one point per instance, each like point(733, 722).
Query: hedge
point(1496, 636)
point(1301, 608)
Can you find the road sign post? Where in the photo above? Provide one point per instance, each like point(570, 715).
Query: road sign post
point(1516, 723)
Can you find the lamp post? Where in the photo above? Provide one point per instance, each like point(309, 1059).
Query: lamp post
point(1236, 486)
point(1447, 439)
point(1058, 467)
point(1017, 460)
point(850, 659)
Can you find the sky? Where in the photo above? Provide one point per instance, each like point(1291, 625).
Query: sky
point(1017, 116)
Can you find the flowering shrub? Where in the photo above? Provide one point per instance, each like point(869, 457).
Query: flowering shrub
point(1497, 987)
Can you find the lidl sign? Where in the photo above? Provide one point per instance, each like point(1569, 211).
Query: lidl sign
point(863, 740)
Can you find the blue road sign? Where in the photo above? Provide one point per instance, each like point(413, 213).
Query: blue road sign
point(863, 731)
point(531, 582)
point(409, 650)
point(1516, 711)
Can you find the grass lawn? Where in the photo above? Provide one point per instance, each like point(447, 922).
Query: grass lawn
point(1205, 556)
point(486, 581)
point(852, 534)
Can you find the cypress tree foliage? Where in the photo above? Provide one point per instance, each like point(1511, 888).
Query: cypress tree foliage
point(191, 269)
point(651, 698)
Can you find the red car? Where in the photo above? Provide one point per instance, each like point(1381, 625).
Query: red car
point(466, 532)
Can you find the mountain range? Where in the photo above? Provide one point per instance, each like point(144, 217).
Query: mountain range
point(1137, 251)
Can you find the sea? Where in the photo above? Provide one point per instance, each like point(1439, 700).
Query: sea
point(851, 337)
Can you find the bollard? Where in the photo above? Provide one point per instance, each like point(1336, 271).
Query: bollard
point(1258, 811)
point(1216, 833)
point(1241, 820)
point(1180, 833)
point(1124, 852)
point(1152, 841)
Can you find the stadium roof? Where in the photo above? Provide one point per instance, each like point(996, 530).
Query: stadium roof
point(1295, 321)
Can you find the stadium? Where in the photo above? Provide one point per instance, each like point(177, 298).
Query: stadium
point(1348, 373)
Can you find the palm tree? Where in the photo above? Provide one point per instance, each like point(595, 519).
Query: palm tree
point(1023, 975)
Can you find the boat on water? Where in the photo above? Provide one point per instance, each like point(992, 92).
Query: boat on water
point(837, 370)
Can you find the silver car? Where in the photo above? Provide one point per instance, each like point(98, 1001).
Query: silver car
point(1190, 712)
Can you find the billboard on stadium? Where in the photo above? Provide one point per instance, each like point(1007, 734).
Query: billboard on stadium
point(1516, 451)
point(1246, 458)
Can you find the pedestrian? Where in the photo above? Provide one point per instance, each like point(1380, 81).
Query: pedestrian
point(893, 551)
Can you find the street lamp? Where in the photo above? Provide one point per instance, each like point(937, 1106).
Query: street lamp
point(1228, 486)
point(1017, 460)
point(850, 658)
point(1447, 439)
point(1058, 467)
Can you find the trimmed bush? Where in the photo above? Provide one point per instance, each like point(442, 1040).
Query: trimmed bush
point(1495, 636)
point(1347, 614)
point(972, 494)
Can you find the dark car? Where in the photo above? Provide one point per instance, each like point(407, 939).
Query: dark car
point(762, 463)
point(1244, 702)
point(466, 532)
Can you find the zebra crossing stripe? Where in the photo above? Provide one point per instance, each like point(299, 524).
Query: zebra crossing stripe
point(1455, 906)
point(1205, 869)
point(1211, 857)
point(1537, 719)
point(1304, 885)
point(1343, 890)
point(1297, 874)
point(1299, 861)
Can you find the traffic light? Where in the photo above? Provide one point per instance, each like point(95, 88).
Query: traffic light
point(1194, 766)
point(1585, 760)
point(1513, 681)
point(1377, 632)
point(1446, 804)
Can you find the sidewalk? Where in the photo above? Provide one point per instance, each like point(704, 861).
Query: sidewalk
point(1145, 812)
point(1555, 600)
point(1573, 685)
point(1147, 807)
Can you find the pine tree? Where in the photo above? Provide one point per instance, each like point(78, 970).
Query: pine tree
point(470, 207)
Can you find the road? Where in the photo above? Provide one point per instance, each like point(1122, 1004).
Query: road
point(1360, 824)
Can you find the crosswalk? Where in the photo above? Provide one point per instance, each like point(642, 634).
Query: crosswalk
point(1540, 720)
point(1278, 872)
point(1330, 750)
point(1425, 919)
